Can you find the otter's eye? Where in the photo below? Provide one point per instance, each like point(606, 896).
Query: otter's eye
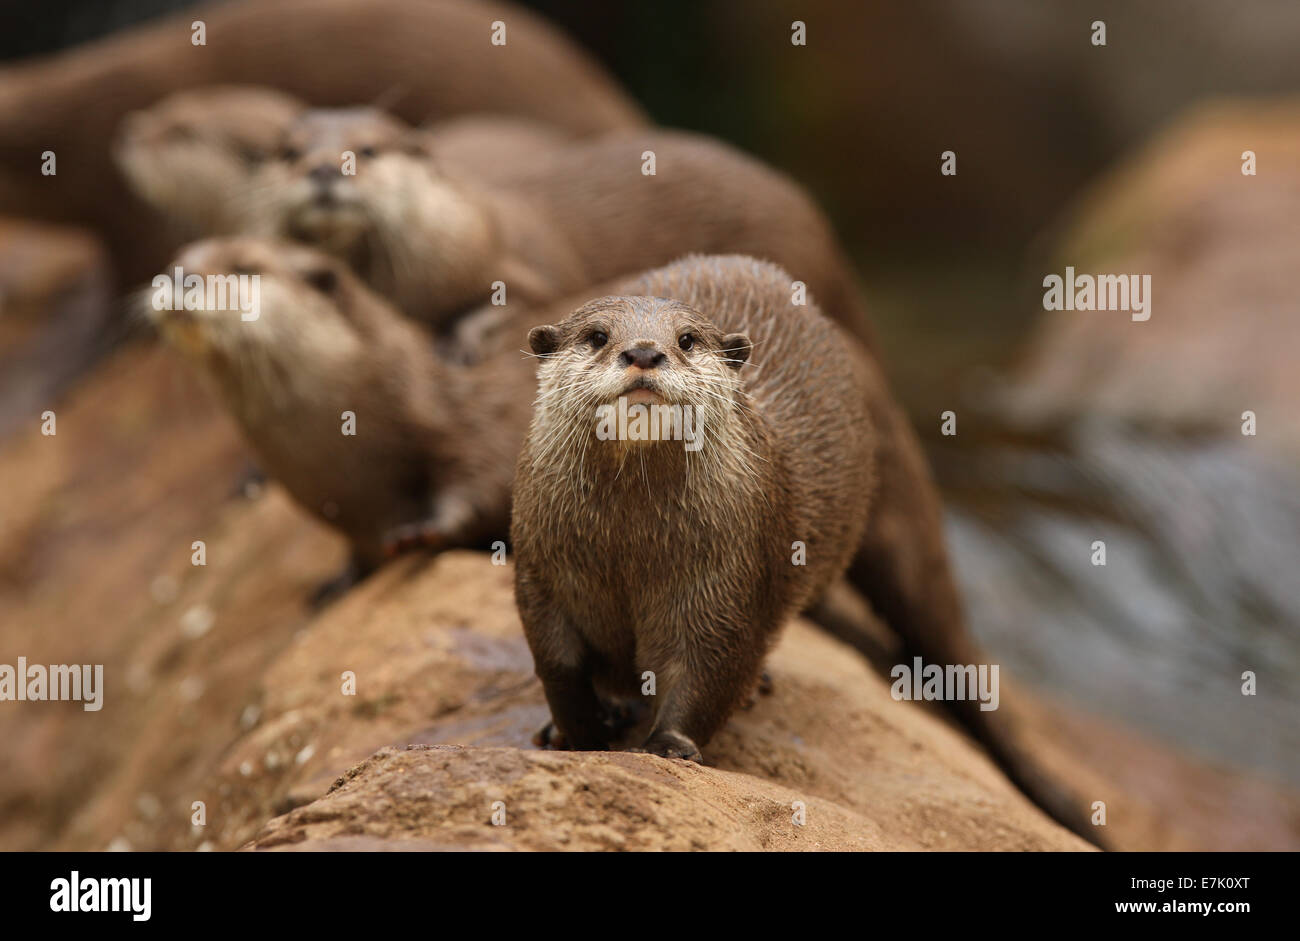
point(322, 279)
point(686, 341)
point(289, 154)
point(598, 340)
point(367, 152)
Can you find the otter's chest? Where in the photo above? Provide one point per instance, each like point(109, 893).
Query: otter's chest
point(631, 561)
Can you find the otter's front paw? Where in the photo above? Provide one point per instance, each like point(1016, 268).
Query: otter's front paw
point(668, 744)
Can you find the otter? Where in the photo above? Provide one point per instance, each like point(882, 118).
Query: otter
point(434, 444)
point(193, 155)
point(403, 213)
point(434, 235)
point(435, 56)
point(649, 555)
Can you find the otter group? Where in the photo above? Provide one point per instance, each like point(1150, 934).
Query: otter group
point(404, 266)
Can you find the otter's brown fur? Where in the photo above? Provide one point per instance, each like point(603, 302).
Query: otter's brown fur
point(193, 155)
point(546, 219)
point(642, 556)
point(434, 57)
point(407, 212)
point(434, 445)
point(634, 557)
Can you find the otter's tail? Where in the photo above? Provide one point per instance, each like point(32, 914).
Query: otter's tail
point(902, 569)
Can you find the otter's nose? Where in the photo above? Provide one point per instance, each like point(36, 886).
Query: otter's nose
point(647, 357)
point(324, 173)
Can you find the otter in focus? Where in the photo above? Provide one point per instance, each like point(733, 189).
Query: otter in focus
point(648, 555)
point(193, 155)
point(434, 444)
point(674, 555)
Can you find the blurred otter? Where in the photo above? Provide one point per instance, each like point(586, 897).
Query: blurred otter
point(406, 215)
point(193, 155)
point(434, 236)
point(677, 554)
point(434, 445)
point(435, 56)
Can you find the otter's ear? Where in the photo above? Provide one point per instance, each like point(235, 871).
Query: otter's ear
point(736, 349)
point(544, 339)
point(325, 280)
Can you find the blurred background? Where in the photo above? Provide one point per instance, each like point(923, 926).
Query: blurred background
point(1072, 426)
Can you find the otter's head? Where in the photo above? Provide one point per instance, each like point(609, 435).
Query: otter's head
point(270, 316)
point(644, 351)
point(194, 155)
point(354, 179)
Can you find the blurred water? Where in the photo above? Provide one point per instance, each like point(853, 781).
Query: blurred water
point(1200, 583)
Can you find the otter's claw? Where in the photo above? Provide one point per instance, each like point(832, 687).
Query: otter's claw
point(668, 744)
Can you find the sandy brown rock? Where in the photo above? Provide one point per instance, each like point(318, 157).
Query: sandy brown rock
point(1158, 797)
point(54, 301)
point(443, 796)
point(96, 527)
point(249, 715)
point(909, 780)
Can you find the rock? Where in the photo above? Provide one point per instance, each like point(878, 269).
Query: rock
point(1129, 434)
point(251, 721)
point(883, 774)
point(142, 466)
point(1221, 249)
point(443, 797)
point(55, 299)
point(439, 658)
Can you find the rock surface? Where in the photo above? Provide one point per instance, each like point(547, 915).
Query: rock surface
point(226, 720)
point(435, 665)
point(55, 299)
point(1221, 249)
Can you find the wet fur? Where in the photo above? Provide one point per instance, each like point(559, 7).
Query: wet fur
point(634, 557)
